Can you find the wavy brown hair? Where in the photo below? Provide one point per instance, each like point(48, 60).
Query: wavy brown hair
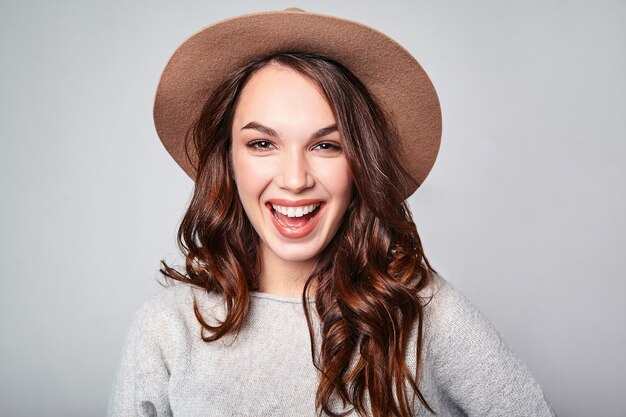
point(369, 278)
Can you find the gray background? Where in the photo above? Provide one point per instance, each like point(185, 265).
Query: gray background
point(524, 210)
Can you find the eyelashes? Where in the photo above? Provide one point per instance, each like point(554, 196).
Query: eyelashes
point(328, 146)
point(261, 145)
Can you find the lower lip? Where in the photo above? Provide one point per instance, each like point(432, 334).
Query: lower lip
point(300, 232)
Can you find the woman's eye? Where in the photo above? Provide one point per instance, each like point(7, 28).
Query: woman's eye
point(326, 146)
point(262, 145)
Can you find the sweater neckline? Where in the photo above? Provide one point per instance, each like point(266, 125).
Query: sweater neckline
point(280, 298)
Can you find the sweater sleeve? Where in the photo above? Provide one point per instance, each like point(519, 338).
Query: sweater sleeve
point(140, 388)
point(472, 364)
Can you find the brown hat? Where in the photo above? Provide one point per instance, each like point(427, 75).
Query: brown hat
point(388, 70)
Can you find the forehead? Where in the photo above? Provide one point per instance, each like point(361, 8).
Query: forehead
point(279, 95)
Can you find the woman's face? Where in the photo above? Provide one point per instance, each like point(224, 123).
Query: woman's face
point(292, 175)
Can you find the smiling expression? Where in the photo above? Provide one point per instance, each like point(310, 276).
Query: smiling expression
point(292, 175)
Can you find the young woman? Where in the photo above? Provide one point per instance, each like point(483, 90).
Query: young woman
point(306, 290)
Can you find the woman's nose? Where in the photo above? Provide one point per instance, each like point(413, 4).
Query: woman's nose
point(295, 175)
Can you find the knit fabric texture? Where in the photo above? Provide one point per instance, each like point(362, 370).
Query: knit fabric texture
point(267, 369)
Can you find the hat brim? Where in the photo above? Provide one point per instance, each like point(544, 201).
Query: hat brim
point(388, 70)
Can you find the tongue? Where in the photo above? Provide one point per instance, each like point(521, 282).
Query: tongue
point(293, 222)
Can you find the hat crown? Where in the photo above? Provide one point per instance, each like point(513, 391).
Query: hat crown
point(294, 9)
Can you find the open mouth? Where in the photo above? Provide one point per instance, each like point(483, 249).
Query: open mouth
point(295, 222)
point(294, 217)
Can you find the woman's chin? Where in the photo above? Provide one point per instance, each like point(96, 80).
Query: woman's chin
point(301, 256)
point(300, 252)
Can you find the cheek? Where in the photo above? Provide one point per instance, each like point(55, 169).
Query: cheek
point(251, 176)
point(338, 180)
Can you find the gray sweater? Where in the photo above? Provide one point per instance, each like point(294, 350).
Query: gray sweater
point(167, 370)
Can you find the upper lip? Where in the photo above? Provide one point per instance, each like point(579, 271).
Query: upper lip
point(293, 203)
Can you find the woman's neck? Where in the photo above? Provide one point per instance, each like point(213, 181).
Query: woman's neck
point(282, 277)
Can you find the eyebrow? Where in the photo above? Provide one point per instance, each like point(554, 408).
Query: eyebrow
point(271, 132)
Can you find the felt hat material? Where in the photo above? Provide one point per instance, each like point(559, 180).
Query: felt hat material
point(388, 70)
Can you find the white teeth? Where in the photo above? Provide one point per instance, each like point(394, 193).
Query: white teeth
point(295, 211)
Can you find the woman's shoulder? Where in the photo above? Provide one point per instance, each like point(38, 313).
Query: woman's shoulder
point(446, 303)
point(470, 360)
point(452, 320)
point(168, 314)
point(161, 331)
